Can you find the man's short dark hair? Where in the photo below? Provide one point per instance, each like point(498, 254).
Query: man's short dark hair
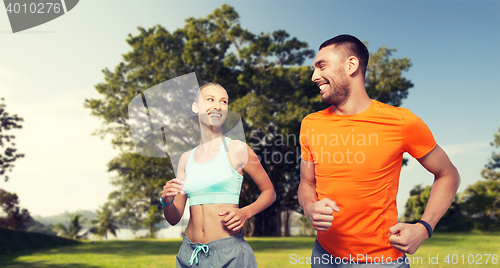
point(349, 45)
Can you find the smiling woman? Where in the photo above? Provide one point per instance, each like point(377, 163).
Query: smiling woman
point(210, 176)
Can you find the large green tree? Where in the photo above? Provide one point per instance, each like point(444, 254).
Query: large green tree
point(252, 71)
point(482, 199)
point(267, 86)
point(7, 157)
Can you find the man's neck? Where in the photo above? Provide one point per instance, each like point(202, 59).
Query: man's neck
point(357, 103)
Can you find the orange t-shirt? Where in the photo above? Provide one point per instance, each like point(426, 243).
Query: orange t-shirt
point(357, 160)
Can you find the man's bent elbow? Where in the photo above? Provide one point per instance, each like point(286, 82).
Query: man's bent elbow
point(457, 178)
point(454, 179)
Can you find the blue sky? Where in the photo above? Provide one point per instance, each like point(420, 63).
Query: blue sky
point(48, 71)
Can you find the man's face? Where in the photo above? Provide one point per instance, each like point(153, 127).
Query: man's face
point(330, 76)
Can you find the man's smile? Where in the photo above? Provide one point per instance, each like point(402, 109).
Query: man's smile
point(322, 86)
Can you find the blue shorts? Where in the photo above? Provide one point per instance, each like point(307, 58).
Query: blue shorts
point(230, 252)
point(320, 258)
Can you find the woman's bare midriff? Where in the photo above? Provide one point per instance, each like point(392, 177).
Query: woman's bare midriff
point(205, 224)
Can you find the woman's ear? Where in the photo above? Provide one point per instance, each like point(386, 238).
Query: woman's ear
point(194, 107)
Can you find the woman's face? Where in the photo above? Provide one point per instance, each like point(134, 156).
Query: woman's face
point(213, 103)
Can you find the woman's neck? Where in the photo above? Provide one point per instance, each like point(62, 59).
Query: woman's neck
point(210, 134)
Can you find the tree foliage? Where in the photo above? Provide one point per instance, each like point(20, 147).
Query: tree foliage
point(7, 157)
point(267, 85)
point(140, 180)
point(14, 217)
point(491, 170)
point(482, 199)
point(384, 80)
point(105, 222)
point(306, 227)
point(74, 228)
point(416, 204)
point(39, 227)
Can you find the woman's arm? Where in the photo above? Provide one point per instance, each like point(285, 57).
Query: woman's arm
point(235, 218)
point(174, 188)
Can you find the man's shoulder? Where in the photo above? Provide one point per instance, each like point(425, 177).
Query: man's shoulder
point(318, 114)
point(389, 110)
point(380, 110)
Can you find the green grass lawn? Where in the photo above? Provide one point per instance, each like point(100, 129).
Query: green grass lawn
point(270, 252)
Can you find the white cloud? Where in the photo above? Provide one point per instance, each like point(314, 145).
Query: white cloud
point(465, 148)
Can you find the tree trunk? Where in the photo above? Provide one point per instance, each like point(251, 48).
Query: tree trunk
point(268, 222)
point(287, 215)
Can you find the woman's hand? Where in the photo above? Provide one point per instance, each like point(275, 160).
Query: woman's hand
point(172, 188)
point(235, 218)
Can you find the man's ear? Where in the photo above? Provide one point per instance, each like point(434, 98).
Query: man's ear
point(194, 107)
point(352, 65)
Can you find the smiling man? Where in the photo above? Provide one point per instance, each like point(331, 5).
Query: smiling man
point(352, 154)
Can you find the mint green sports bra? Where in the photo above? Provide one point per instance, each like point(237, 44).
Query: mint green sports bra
point(215, 182)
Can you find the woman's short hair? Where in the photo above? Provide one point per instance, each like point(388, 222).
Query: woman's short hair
point(198, 94)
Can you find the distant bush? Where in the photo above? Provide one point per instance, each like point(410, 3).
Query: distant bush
point(16, 240)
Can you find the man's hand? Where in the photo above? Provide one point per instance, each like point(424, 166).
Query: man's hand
point(321, 214)
point(407, 237)
point(235, 218)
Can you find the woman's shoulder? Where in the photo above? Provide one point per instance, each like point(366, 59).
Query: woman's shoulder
point(185, 157)
point(237, 146)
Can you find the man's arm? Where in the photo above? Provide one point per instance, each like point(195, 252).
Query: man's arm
point(320, 213)
point(408, 237)
point(445, 186)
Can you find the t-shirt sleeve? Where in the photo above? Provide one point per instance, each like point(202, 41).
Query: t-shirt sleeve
point(417, 137)
point(304, 141)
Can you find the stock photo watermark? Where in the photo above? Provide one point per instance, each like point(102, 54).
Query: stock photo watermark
point(333, 148)
point(470, 259)
point(26, 14)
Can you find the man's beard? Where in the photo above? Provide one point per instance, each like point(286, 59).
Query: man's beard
point(339, 91)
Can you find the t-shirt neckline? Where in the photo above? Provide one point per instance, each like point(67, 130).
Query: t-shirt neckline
point(353, 115)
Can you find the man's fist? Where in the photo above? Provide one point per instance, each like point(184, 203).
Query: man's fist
point(407, 238)
point(321, 214)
